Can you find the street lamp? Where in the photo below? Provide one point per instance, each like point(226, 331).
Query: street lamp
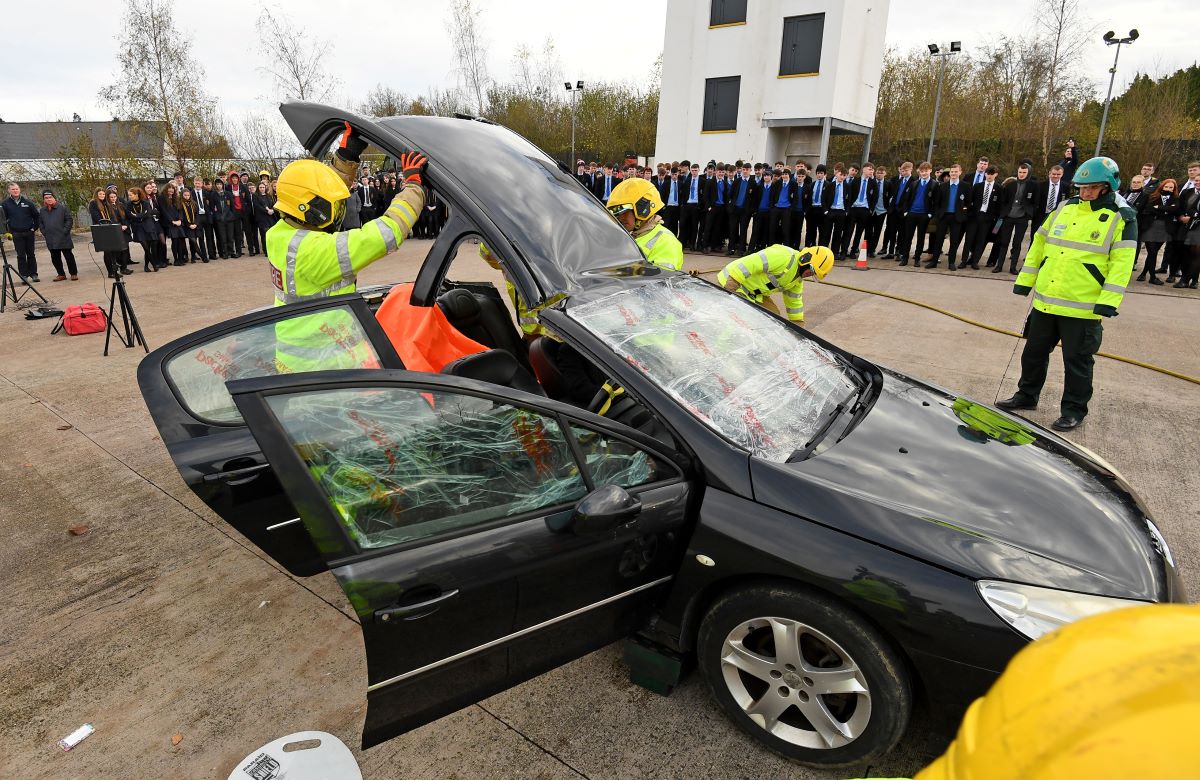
point(575, 90)
point(936, 51)
point(1110, 39)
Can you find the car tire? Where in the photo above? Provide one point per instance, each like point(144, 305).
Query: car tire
point(838, 669)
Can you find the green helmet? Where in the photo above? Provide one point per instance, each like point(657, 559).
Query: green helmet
point(1099, 170)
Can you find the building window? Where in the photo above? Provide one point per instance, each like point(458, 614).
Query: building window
point(725, 12)
point(721, 103)
point(801, 55)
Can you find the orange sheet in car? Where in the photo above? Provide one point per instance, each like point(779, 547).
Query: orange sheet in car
point(422, 336)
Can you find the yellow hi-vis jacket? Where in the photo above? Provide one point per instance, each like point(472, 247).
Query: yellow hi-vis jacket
point(308, 264)
point(776, 268)
point(1081, 259)
point(659, 245)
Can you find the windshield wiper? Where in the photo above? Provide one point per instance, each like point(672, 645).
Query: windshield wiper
point(826, 423)
point(861, 405)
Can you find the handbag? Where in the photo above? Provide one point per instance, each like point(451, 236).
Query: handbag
point(82, 318)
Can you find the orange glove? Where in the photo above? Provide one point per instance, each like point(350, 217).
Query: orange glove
point(412, 165)
point(351, 144)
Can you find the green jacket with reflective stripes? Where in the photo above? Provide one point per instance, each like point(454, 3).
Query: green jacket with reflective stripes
point(661, 247)
point(1081, 259)
point(776, 268)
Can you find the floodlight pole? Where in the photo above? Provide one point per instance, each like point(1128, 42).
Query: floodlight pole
point(937, 104)
point(1111, 78)
point(574, 90)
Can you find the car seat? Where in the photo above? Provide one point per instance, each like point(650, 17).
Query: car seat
point(484, 319)
point(496, 366)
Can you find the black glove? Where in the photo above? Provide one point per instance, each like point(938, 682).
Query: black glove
point(351, 145)
point(1104, 310)
point(1020, 289)
point(412, 165)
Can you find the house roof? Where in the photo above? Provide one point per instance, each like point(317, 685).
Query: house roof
point(42, 140)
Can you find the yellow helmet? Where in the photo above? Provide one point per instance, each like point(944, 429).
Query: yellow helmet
point(1111, 696)
point(636, 195)
point(312, 193)
point(819, 257)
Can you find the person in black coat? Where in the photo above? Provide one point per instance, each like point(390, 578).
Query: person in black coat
point(917, 206)
point(207, 233)
point(716, 212)
point(768, 192)
point(741, 208)
point(1019, 206)
point(861, 194)
point(264, 213)
point(672, 196)
point(952, 206)
point(801, 184)
point(1069, 162)
point(986, 199)
point(169, 203)
point(783, 200)
point(145, 225)
point(239, 204)
point(690, 207)
point(224, 219)
point(816, 207)
point(881, 204)
point(1050, 193)
point(21, 222)
point(102, 214)
point(1160, 210)
point(189, 214)
point(895, 222)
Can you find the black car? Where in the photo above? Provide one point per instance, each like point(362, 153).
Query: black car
point(831, 541)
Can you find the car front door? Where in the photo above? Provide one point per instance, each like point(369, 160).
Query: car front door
point(183, 384)
point(483, 535)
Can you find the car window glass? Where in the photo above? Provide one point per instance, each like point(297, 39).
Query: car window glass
point(614, 462)
point(329, 339)
point(399, 464)
point(741, 371)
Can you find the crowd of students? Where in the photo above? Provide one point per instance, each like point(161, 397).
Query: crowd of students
point(742, 207)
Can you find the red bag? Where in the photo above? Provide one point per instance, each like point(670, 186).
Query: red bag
point(85, 318)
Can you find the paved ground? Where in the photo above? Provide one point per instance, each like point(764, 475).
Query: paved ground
point(161, 621)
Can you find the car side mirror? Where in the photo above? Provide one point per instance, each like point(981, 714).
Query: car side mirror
point(604, 509)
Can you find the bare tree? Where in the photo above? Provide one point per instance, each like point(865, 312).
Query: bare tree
point(470, 52)
point(160, 80)
point(385, 101)
point(264, 141)
point(295, 61)
point(1065, 30)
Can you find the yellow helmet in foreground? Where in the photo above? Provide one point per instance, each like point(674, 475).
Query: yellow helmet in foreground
point(819, 257)
point(312, 193)
point(636, 195)
point(1111, 696)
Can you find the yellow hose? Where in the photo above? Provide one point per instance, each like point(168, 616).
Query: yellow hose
point(993, 328)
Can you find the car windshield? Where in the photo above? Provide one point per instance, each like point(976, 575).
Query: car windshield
point(747, 375)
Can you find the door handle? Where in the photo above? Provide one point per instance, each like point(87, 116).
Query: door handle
point(235, 477)
point(414, 611)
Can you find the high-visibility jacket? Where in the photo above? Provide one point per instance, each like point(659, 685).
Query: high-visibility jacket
point(1081, 259)
point(660, 246)
point(774, 269)
point(526, 319)
point(308, 264)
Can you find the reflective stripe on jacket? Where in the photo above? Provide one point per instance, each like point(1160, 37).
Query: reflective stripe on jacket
point(776, 268)
point(1082, 257)
point(661, 247)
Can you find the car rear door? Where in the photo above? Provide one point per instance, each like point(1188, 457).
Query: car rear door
point(445, 508)
point(183, 384)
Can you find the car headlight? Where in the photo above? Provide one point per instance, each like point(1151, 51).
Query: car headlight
point(1036, 611)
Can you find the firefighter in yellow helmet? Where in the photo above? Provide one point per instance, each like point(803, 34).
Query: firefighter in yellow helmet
point(311, 257)
point(777, 268)
point(636, 203)
point(530, 327)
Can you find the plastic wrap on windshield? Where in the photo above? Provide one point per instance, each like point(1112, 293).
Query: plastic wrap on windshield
point(743, 372)
point(400, 464)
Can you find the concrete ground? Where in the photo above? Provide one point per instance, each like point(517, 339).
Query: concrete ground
point(162, 621)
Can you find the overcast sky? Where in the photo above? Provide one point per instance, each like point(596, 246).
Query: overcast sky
point(68, 56)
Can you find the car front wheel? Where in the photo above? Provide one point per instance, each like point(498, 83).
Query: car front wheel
point(808, 678)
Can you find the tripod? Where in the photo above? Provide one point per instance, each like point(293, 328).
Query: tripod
point(8, 288)
point(133, 331)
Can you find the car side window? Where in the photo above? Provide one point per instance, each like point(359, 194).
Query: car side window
point(328, 339)
point(400, 465)
point(614, 462)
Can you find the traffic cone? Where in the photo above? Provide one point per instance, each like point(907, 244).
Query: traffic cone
point(861, 265)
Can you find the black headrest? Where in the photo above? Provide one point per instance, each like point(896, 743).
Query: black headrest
point(459, 305)
point(497, 367)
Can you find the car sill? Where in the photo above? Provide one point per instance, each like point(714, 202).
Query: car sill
point(517, 635)
point(285, 523)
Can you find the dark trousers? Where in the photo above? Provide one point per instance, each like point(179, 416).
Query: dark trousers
point(739, 220)
point(716, 222)
point(1080, 341)
point(670, 215)
point(262, 238)
point(1012, 231)
point(914, 225)
point(797, 233)
point(1175, 258)
point(1191, 271)
point(781, 225)
point(831, 231)
point(26, 260)
point(1152, 248)
point(893, 233)
point(235, 232)
point(156, 252)
point(947, 224)
point(251, 230)
point(760, 233)
point(689, 223)
point(857, 224)
point(56, 257)
point(225, 239)
point(875, 229)
point(816, 234)
point(979, 230)
point(208, 238)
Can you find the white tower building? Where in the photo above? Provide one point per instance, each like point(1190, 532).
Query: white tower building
point(768, 80)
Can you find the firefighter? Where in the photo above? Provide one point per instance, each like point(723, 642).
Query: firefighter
point(530, 327)
point(777, 268)
point(311, 257)
point(1078, 267)
point(636, 203)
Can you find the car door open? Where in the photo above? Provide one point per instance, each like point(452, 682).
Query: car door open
point(183, 384)
point(483, 535)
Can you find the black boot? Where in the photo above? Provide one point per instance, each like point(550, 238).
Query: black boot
point(1016, 402)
